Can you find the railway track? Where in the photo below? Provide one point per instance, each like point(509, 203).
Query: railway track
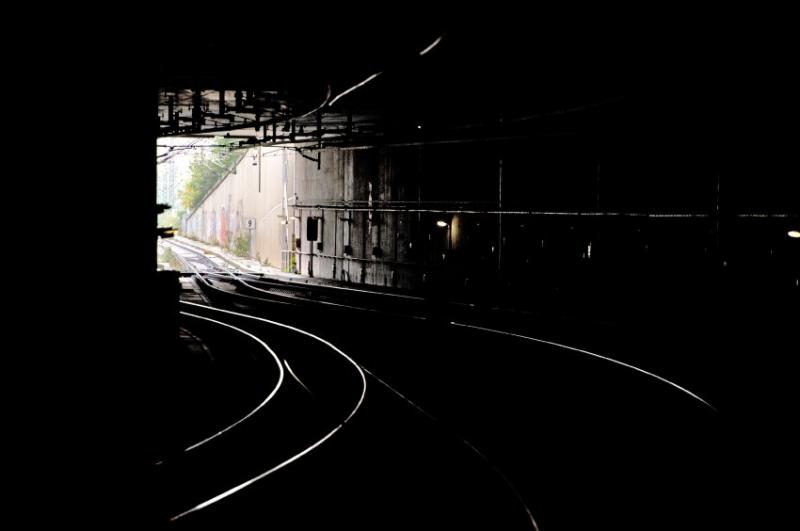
point(598, 385)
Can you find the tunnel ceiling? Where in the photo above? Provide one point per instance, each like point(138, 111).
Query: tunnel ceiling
point(410, 76)
point(282, 84)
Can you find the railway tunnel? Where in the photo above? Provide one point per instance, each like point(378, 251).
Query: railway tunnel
point(503, 270)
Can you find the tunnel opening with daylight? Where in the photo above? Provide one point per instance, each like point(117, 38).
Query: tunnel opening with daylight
point(464, 271)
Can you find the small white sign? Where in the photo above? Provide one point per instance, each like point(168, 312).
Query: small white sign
point(250, 223)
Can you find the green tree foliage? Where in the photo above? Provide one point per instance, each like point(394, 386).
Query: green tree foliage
point(170, 218)
point(207, 169)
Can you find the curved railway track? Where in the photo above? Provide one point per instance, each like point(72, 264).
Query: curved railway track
point(250, 298)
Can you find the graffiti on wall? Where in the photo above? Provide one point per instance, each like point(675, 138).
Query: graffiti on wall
point(223, 228)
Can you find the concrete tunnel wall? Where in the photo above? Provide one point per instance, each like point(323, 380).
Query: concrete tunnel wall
point(221, 217)
point(378, 210)
point(355, 246)
point(377, 248)
point(361, 238)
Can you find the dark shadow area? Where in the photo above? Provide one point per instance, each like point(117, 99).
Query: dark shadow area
point(647, 195)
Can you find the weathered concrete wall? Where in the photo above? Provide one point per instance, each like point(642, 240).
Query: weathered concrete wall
point(360, 200)
point(357, 243)
point(428, 217)
point(361, 237)
point(255, 190)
